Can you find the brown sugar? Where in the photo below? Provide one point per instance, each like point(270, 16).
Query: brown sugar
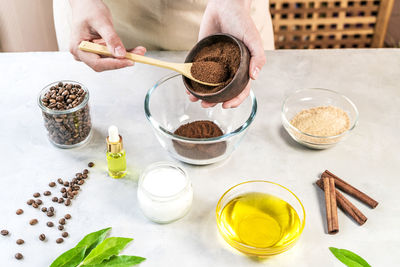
point(322, 121)
point(209, 71)
point(227, 55)
point(199, 129)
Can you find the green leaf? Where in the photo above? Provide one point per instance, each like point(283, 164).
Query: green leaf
point(119, 261)
point(349, 258)
point(93, 239)
point(108, 248)
point(70, 258)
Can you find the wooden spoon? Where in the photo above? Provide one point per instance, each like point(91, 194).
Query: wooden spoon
point(182, 68)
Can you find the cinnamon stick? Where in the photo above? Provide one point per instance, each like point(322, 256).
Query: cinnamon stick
point(346, 206)
point(330, 204)
point(351, 190)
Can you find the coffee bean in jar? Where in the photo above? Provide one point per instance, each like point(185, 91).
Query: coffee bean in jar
point(66, 114)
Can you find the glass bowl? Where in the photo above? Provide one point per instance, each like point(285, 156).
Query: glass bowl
point(285, 241)
point(167, 107)
point(316, 97)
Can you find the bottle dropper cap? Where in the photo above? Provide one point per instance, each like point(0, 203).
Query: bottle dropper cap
point(114, 140)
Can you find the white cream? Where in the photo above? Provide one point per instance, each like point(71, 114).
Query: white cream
point(165, 192)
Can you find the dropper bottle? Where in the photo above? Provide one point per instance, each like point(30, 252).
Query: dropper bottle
point(116, 156)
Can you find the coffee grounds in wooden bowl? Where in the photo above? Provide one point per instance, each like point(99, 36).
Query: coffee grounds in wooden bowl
point(209, 71)
point(227, 54)
point(199, 129)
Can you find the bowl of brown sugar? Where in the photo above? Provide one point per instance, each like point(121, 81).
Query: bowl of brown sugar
point(318, 118)
point(219, 58)
point(193, 134)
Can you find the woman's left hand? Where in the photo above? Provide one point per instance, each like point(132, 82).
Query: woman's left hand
point(233, 17)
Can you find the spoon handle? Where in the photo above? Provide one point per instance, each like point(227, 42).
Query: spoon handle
point(103, 50)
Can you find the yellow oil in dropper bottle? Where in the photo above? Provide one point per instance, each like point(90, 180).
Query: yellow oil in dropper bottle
point(116, 155)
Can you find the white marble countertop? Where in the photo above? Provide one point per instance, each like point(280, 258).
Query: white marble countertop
point(368, 159)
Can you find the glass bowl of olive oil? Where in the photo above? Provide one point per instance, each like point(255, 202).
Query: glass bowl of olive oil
point(260, 218)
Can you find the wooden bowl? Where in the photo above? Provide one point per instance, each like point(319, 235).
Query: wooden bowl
point(240, 79)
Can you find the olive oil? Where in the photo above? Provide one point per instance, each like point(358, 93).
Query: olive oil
point(116, 155)
point(116, 164)
point(259, 220)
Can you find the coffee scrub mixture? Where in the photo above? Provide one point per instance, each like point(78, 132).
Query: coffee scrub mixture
point(227, 57)
point(199, 129)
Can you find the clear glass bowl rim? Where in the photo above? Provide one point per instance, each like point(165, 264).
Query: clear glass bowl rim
point(266, 250)
point(287, 122)
point(157, 126)
point(66, 111)
point(158, 198)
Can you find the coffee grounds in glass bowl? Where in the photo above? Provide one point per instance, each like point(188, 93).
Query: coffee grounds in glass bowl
point(226, 54)
point(199, 129)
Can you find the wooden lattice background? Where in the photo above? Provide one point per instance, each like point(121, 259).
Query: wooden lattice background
point(308, 24)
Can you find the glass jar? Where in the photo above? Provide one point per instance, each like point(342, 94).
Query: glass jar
point(70, 127)
point(165, 198)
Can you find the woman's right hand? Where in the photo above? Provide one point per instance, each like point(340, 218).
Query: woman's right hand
point(91, 21)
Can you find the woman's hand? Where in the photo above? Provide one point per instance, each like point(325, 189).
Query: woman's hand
point(233, 17)
point(91, 21)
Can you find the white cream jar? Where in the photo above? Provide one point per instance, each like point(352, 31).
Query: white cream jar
point(165, 192)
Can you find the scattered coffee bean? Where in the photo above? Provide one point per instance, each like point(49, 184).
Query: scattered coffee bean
point(47, 193)
point(62, 221)
point(59, 240)
point(66, 183)
point(60, 181)
point(67, 202)
point(33, 221)
point(84, 176)
point(30, 201)
point(76, 187)
point(54, 199)
point(37, 194)
point(85, 171)
point(35, 205)
point(61, 227)
point(42, 237)
point(50, 224)
point(20, 241)
point(73, 192)
point(64, 234)
point(51, 209)
point(19, 256)
point(19, 211)
point(67, 216)
point(63, 190)
point(4, 232)
point(39, 202)
point(65, 195)
point(44, 209)
point(60, 200)
point(81, 182)
point(50, 214)
point(52, 184)
point(90, 164)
